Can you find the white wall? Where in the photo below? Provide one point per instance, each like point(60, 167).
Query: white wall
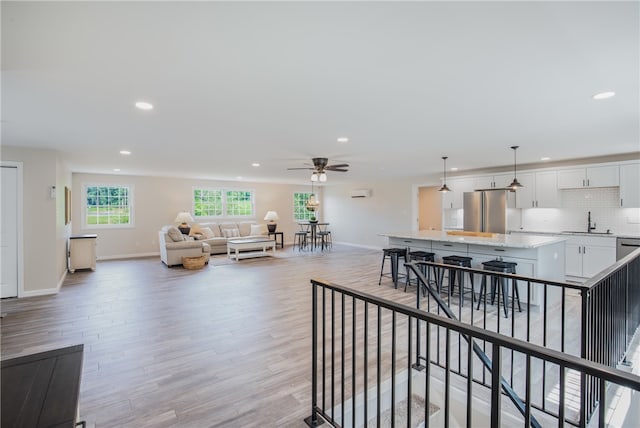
point(157, 200)
point(44, 239)
point(359, 220)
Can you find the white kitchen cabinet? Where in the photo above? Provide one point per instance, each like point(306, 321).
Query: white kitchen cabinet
point(540, 190)
point(82, 252)
point(630, 185)
point(586, 256)
point(454, 198)
point(499, 181)
point(547, 195)
point(596, 176)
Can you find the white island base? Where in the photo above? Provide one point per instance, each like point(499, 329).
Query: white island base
point(541, 257)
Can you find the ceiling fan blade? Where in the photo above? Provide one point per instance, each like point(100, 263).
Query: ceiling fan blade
point(337, 169)
point(290, 169)
point(338, 165)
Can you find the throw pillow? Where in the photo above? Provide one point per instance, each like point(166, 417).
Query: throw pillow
point(195, 230)
point(207, 232)
point(258, 229)
point(197, 236)
point(175, 234)
point(231, 233)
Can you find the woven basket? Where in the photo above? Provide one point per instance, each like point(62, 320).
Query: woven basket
point(193, 262)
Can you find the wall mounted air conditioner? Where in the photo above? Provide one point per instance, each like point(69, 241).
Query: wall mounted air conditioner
point(360, 193)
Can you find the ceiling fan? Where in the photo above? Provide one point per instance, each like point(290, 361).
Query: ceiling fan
point(320, 167)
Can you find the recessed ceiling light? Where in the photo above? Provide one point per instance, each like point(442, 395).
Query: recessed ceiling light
point(604, 95)
point(343, 140)
point(143, 105)
point(454, 169)
point(125, 152)
point(545, 158)
point(116, 169)
point(255, 164)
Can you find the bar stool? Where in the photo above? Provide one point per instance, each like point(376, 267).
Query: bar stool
point(300, 237)
point(393, 254)
point(423, 256)
point(503, 267)
point(324, 235)
point(461, 261)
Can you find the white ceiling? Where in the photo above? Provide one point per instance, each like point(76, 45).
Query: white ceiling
point(276, 83)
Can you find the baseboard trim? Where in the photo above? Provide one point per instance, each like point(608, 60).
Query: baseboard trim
point(128, 256)
point(43, 292)
point(351, 244)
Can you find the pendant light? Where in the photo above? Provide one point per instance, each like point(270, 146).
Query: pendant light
point(515, 184)
point(444, 188)
point(312, 203)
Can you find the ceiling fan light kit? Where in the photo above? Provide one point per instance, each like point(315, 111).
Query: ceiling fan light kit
point(320, 169)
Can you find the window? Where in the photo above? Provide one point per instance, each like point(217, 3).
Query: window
point(239, 203)
point(300, 212)
point(108, 205)
point(218, 203)
point(207, 203)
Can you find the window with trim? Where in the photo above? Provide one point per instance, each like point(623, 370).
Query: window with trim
point(108, 205)
point(223, 203)
point(300, 211)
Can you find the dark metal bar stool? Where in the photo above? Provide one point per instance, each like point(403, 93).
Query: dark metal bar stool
point(503, 267)
point(423, 256)
point(393, 254)
point(300, 237)
point(461, 261)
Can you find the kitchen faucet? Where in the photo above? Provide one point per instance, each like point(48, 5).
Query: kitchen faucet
point(589, 227)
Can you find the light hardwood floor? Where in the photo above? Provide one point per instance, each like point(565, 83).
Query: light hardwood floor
point(226, 346)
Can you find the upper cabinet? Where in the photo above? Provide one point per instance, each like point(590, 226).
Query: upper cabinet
point(597, 176)
point(540, 190)
point(630, 185)
point(453, 199)
point(492, 181)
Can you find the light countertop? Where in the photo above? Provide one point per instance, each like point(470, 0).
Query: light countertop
point(610, 235)
point(516, 240)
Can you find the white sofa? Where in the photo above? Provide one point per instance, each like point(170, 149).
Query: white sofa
point(222, 232)
point(214, 235)
point(173, 247)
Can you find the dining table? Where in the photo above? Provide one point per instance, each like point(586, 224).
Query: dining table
point(312, 227)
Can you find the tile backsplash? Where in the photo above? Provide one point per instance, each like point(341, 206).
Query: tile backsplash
point(604, 204)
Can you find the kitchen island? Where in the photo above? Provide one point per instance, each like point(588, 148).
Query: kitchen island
point(537, 256)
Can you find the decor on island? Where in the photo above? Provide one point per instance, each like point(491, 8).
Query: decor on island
point(272, 217)
point(444, 188)
point(312, 203)
point(515, 184)
point(184, 218)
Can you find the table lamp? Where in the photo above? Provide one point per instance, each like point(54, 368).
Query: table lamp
point(271, 216)
point(184, 218)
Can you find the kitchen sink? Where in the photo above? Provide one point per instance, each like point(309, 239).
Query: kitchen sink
point(586, 233)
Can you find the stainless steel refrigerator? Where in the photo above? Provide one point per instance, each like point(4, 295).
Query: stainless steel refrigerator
point(485, 211)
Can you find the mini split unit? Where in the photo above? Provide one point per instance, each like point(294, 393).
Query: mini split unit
point(360, 193)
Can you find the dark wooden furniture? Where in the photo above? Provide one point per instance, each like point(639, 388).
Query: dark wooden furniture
point(42, 390)
point(275, 237)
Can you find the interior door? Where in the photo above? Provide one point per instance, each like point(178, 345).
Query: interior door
point(9, 233)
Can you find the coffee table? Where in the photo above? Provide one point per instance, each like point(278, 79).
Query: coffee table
point(259, 245)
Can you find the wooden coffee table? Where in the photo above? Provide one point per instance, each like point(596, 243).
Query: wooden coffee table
point(259, 245)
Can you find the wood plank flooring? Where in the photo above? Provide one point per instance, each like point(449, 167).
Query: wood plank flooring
point(225, 346)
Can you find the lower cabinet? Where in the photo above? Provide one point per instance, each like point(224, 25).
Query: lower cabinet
point(587, 256)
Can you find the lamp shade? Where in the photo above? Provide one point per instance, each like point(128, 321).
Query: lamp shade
point(184, 217)
point(271, 216)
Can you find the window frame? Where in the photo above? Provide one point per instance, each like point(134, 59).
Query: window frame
point(308, 214)
point(131, 203)
point(224, 203)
